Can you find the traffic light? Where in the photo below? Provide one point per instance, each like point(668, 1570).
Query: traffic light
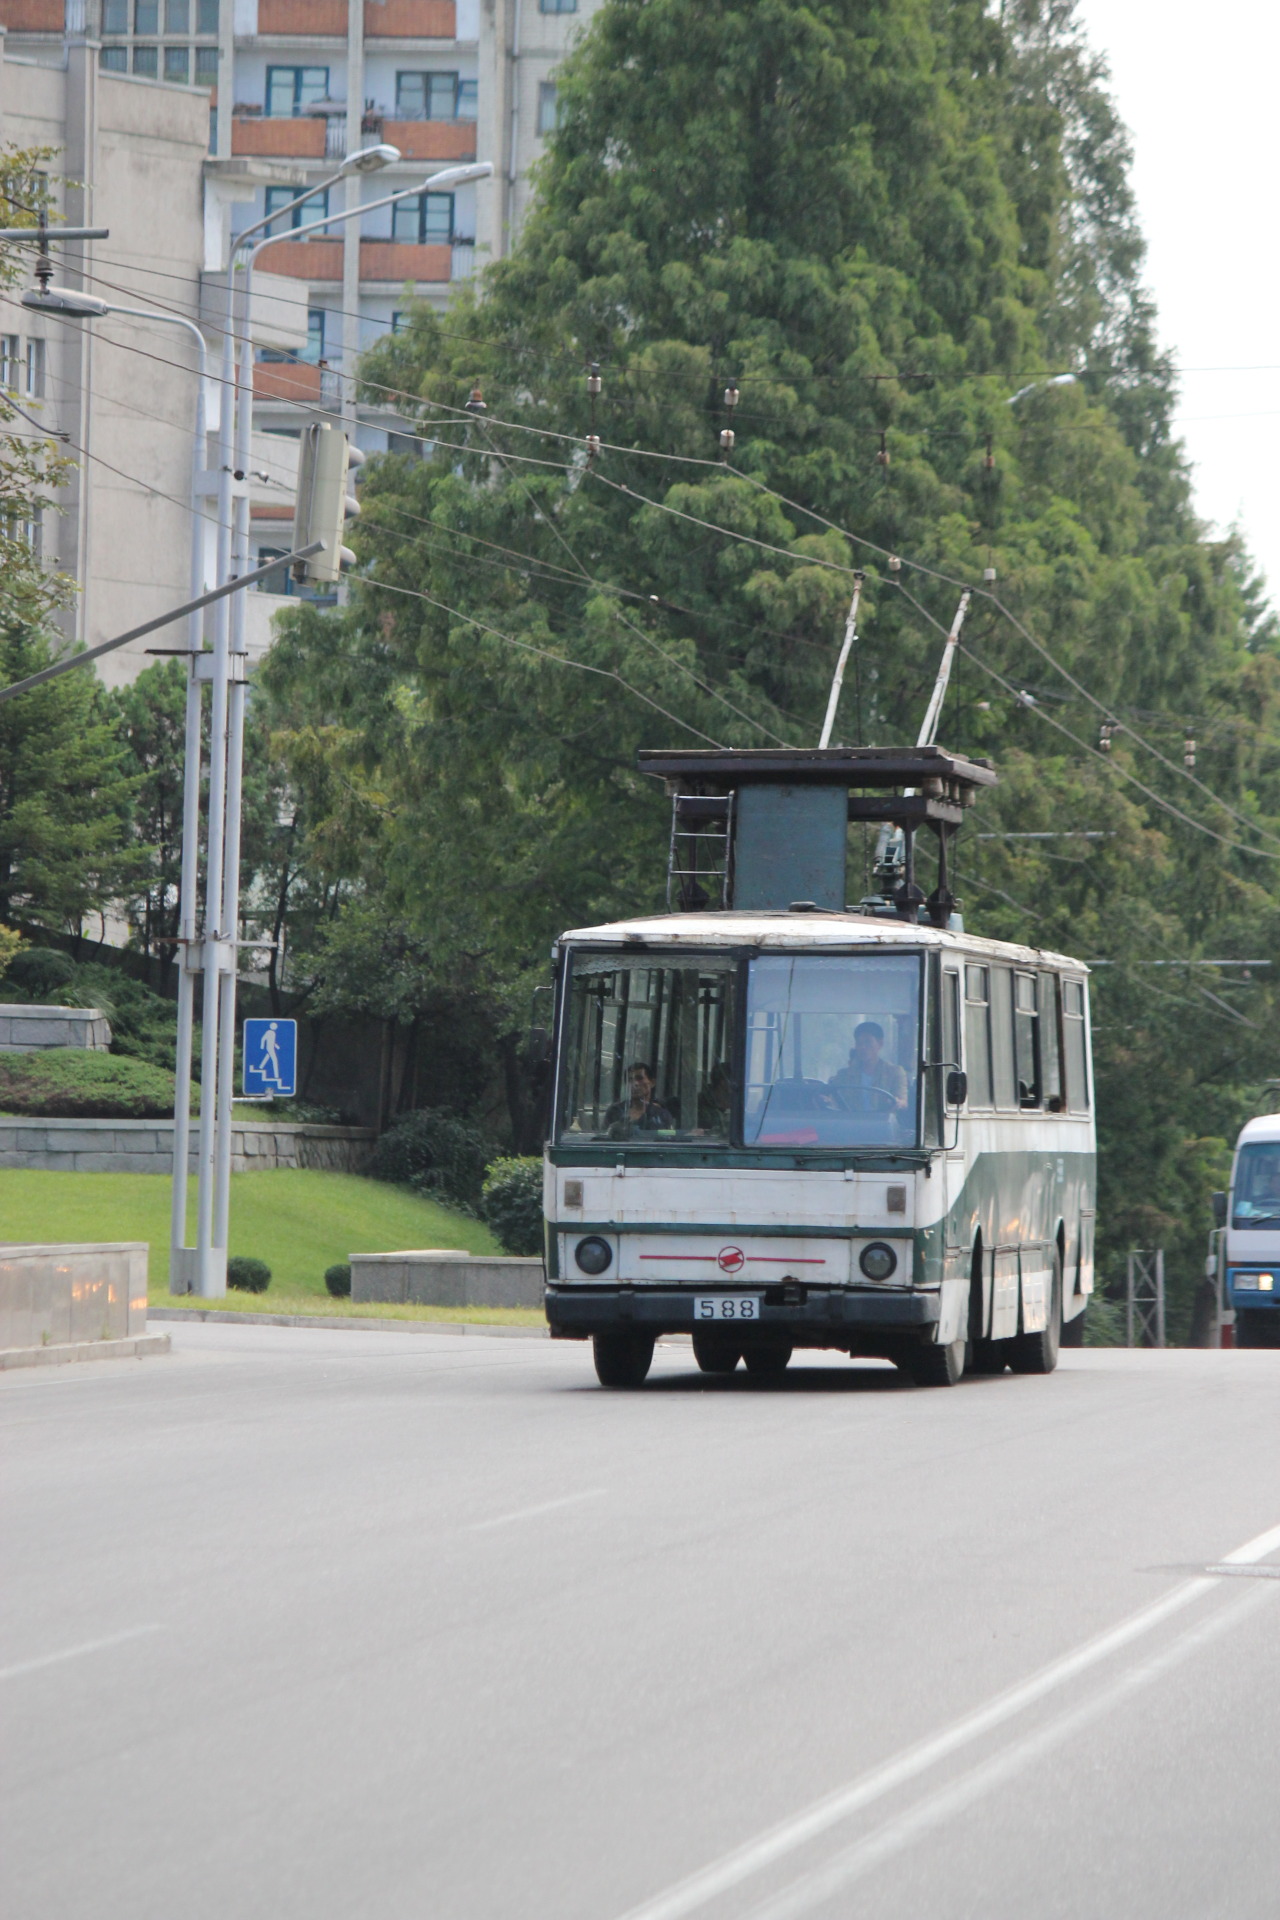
point(323, 502)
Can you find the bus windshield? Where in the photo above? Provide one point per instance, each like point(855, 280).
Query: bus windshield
point(1256, 1194)
point(833, 1049)
point(648, 1048)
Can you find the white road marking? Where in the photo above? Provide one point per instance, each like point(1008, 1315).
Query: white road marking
point(532, 1513)
point(834, 1876)
point(74, 1653)
point(708, 1883)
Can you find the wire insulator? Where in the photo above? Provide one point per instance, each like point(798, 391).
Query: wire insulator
point(731, 397)
point(1189, 751)
point(593, 445)
point(990, 460)
point(882, 457)
point(593, 379)
point(476, 403)
point(726, 441)
point(1104, 737)
point(895, 565)
point(988, 576)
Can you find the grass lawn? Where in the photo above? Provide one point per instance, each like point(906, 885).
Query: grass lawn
point(298, 1222)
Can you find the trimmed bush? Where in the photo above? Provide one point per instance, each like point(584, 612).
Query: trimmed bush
point(338, 1280)
point(40, 971)
point(248, 1276)
point(73, 1083)
point(511, 1203)
point(436, 1152)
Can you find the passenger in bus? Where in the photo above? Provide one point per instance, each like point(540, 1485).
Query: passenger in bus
point(639, 1112)
point(870, 1084)
point(715, 1102)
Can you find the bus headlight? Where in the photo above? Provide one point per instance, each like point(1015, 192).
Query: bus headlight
point(593, 1254)
point(878, 1260)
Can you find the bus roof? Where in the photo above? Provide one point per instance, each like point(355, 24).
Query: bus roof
point(1265, 1127)
point(806, 932)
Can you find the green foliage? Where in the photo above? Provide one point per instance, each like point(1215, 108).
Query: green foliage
point(40, 971)
point(10, 946)
point(143, 1022)
point(337, 1279)
point(248, 1275)
point(436, 1153)
point(511, 1202)
point(74, 1083)
point(880, 220)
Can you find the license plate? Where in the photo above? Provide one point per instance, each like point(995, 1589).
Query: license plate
point(727, 1306)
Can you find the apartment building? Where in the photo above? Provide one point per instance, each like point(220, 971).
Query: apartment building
point(290, 87)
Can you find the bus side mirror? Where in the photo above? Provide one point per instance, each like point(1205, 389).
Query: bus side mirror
point(1219, 1209)
point(957, 1087)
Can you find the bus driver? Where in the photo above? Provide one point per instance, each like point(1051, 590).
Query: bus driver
point(869, 1083)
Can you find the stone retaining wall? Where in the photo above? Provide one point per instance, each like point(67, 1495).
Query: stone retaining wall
point(33, 1029)
point(446, 1277)
point(60, 1296)
point(146, 1146)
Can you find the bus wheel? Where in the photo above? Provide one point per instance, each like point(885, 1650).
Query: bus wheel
point(622, 1359)
point(936, 1366)
point(1254, 1329)
point(767, 1353)
point(1038, 1352)
point(716, 1350)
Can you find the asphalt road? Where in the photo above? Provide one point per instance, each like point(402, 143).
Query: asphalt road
point(353, 1624)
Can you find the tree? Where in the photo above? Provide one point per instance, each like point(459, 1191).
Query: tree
point(878, 220)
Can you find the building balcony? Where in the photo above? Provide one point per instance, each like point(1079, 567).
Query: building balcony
point(431, 139)
point(318, 19)
point(320, 261)
point(255, 135)
point(33, 16)
point(286, 380)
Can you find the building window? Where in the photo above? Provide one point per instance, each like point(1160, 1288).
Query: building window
point(177, 64)
point(547, 110)
point(114, 59)
point(206, 66)
point(115, 16)
point(557, 6)
point(145, 62)
point(399, 322)
point(313, 209)
point(291, 90)
point(313, 352)
point(177, 16)
point(146, 16)
point(207, 16)
point(10, 361)
point(35, 369)
point(434, 96)
point(427, 219)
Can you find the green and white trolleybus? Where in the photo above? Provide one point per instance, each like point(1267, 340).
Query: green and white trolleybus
point(781, 1122)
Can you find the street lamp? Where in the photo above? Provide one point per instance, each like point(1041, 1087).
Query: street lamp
point(216, 954)
point(69, 303)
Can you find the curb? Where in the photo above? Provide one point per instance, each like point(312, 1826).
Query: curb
point(136, 1348)
point(344, 1324)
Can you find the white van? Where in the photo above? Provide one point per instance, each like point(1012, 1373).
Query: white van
point(1250, 1213)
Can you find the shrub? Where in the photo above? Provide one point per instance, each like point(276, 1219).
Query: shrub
point(338, 1280)
point(40, 971)
point(436, 1152)
point(248, 1276)
point(74, 1083)
point(511, 1203)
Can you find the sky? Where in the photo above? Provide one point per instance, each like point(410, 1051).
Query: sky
point(1203, 111)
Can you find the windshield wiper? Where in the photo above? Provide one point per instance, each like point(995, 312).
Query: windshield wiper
point(1259, 1220)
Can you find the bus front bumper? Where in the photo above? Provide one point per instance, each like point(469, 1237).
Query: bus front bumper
point(835, 1316)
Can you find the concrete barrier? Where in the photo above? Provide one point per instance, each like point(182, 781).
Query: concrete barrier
point(33, 1029)
point(146, 1146)
point(446, 1277)
point(55, 1296)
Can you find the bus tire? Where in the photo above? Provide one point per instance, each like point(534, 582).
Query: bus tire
point(767, 1353)
point(1038, 1352)
point(622, 1359)
point(1256, 1329)
point(981, 1355)
point(716, 1350)
point(937, 1366)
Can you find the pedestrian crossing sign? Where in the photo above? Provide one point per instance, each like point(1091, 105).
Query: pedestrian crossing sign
point(270, 1058)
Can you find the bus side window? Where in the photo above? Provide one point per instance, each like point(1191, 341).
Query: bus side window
point(977, 1034)
point(1002, 1037)
point(1074, 1047)
point(1026, 1050)
point(951, 1018)
point(1050, 1055)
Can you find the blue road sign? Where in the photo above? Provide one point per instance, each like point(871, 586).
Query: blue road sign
point(270, 1058)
